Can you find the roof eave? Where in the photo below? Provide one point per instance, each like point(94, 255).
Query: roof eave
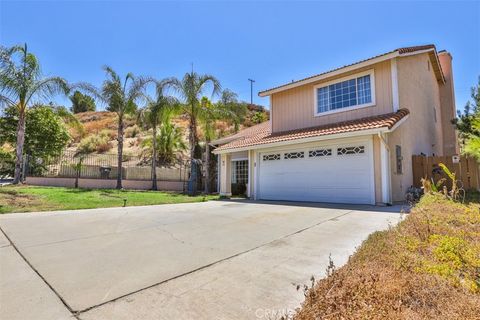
point(349, 68)
point(384, 129)
point(333, 73)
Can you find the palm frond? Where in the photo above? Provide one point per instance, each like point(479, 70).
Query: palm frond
point(90, 89)
point(47, 88)
point(111, 73)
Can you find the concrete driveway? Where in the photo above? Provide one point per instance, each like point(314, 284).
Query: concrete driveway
point(213, 260)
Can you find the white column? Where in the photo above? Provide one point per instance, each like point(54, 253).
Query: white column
point(226, 175)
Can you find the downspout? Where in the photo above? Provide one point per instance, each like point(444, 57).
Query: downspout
point(385, 144)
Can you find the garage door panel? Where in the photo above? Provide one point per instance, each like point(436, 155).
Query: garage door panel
point(343, 178)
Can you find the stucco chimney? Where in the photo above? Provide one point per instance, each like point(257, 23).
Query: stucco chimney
point(447, 105)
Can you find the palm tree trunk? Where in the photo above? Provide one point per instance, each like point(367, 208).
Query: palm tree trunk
point(120, 152)
point(154, 157)
point(193, 136)
point(207, 167)
point(19, 147)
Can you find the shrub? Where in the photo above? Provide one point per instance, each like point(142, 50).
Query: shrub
point(7, 162)
point(95, 143)
point(132, 132)
point(427, 267)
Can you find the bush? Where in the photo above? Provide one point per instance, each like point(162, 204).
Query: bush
point(7, 162)
point(132, 132)
point(427, 267)
point(95, 143)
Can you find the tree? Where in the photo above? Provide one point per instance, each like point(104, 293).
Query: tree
point(190, 90)
point(82, 102)
point(259, 117)
point(120, 97)
point(236, 111)
point(472, 143)
point(157, 112)
point(169, 142)
point(22, 86)
point(209, 114)
point(468, 124)
point(464, 121)
point(46, 135)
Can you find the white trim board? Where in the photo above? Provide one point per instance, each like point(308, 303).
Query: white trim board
point(394, 74)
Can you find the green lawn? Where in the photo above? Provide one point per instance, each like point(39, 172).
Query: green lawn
point(31, 198)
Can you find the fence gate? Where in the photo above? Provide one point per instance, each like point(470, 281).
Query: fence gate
point(467, 170)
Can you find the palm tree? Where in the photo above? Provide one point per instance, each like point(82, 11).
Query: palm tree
point(191, 89)
point(208, 115)
point(120, 97)
point(22, 86)
point(169, 141)
point(157, 112)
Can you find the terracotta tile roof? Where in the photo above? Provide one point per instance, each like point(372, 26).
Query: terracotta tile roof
point(403, 50)
point(264, 136)
point(245, 133)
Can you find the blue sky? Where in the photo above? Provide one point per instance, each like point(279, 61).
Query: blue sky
point(271, 42)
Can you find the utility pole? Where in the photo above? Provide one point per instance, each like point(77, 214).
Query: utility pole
point(251, 91)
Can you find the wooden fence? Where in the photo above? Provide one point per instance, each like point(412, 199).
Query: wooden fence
point(467, 170)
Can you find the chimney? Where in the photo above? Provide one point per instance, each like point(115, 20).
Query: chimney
point(447, 105)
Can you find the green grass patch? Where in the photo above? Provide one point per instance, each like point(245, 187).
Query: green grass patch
point(33, 198)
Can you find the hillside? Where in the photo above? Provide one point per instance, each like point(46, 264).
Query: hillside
point(100, 129)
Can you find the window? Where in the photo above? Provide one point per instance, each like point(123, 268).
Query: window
point(269, 157)
point(240, 172)
point(353, 92)
point(399, 158)
point(350, 150)
point(294, 155)
point(320, 153)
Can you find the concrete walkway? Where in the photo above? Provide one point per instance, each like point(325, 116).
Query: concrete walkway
point(214, 260)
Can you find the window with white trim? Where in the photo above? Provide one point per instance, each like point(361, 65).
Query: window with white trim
point(354, 92)
point(240, 171)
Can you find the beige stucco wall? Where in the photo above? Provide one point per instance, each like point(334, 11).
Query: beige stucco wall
point(418, 91)
point(104, 184)
point(447, 104)
point(294, 108)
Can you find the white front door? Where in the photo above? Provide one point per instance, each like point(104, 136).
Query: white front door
point(328, 172)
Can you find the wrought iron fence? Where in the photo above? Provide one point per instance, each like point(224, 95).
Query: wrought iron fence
point(103, 166)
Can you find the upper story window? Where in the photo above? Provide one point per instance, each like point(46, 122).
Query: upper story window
point(351, 92)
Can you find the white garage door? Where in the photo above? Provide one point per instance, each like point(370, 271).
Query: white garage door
point(339, 173)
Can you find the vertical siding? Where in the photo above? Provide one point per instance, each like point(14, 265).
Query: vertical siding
point(294, 108)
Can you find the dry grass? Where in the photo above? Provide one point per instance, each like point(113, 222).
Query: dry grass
point(428, 267)
point(94, 122)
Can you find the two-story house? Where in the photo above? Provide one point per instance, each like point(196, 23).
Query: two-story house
point(347, 135)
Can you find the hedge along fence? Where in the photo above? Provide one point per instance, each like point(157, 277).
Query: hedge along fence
point(103, 166)
point(467, 170)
